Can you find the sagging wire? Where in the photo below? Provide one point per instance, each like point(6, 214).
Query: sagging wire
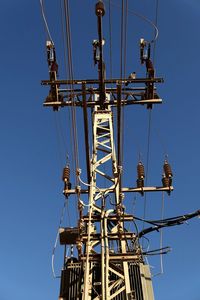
point(147, 163)
point(70, 71)
point(143, 18)
point(147, 249)
point(156, 24)
point(161, 140)
point(159, 251)
point(78, 173)
point(168, 222)
point(57, 237)
point(110, 200)
point(45, 21)
point(62, 146)
point(123, 71)
point(161, 236)
point(161, 272)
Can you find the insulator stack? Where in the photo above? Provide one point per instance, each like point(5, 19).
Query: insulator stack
point(66, 174)
point(140, 171)
point(167, 170)
point(66, 177)
point(141, 175)
point(167, 176)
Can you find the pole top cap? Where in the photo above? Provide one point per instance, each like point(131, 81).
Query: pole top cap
point(100, 8)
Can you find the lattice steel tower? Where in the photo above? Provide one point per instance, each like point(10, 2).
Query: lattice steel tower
point(109, 263)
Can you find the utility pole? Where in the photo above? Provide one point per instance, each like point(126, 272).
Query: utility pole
point(110, 262)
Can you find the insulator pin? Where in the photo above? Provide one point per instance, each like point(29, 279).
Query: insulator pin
point(167, 170)
point(140, 182)
point(165, 182)
point(140, 171)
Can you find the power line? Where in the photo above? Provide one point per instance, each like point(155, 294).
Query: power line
point(141, 17)
point(110, 39)
point(45, 21)
point(156, 24)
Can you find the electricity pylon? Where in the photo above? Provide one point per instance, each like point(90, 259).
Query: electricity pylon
point(109, 263)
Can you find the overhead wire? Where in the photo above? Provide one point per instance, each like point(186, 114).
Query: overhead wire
point(110, 40)
point(124, 18)
point(147, 162)
point(59, 131)
point(59, 140)
point(60, 137)
point(45, 21)
point(141, 17)
point(150, 114)
point(71, 77)
point(162, 205)
point(156, 25)
point(123, 50)
point(124, 70)
point(169, 222)
point(161, 234)
point(156, 129)
point(57, 236)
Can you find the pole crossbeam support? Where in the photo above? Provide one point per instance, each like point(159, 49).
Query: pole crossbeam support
point(107, 81)
point(123, 189)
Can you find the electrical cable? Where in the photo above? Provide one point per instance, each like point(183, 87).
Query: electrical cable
point(89, 185)
point(147, 164)
point(161, 234)
point(160, 251)
point(71, 76)
point(57, 237)
point(122, 39)
point(141, 17)
point(58, 140)
point(110, 39)
point(156, 24)
point(161, 272)
point(124, 74)
point(45, 21)
point(173, 222)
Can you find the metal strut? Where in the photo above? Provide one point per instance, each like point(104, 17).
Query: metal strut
point(100, 11)
point(104, 155)
point(109, 263)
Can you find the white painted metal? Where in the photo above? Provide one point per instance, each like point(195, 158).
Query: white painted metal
point(104, 155)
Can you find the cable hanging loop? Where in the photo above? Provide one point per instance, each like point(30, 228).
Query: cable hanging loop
point(45, 21)
point(144, 19)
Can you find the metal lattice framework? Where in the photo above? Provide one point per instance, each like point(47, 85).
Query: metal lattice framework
point(109, 256)
point(109, 264)
point(103, 153)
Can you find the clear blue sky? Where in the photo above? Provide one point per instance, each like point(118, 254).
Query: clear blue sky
point(32, 161)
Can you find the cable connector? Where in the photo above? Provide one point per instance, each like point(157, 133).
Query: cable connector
point(78, 172)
